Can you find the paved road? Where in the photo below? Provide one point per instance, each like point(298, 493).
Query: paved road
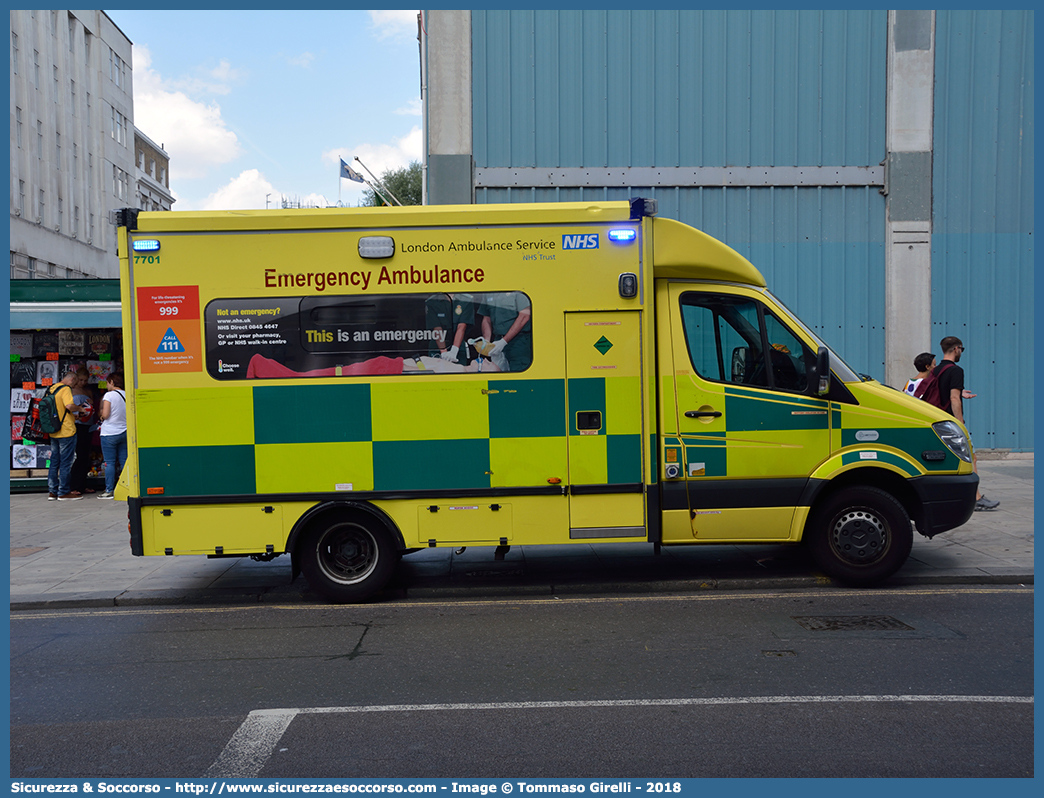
point(907, 681)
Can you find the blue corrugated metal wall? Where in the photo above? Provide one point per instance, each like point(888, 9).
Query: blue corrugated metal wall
point(709, 88)
point(982, 241)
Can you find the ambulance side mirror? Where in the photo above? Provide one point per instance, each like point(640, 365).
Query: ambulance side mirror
point(823, 371)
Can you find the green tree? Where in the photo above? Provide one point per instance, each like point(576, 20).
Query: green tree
point(404, 183)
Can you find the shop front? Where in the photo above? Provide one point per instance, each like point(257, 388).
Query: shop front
point(58, 325)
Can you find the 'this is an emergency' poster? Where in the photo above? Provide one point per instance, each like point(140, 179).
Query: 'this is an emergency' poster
point(168, 329)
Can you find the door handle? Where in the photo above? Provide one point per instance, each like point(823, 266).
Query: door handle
point(703, 414)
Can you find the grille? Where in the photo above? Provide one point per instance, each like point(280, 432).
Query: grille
point(851, 623)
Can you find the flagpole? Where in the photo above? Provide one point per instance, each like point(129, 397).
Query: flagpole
point(378, 182)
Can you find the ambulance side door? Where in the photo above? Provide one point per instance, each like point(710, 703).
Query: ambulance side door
point(751, 431)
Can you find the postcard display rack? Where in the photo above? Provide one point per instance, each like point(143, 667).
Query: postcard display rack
point(39, 359)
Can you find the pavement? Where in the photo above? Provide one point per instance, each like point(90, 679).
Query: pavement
point(77, 554)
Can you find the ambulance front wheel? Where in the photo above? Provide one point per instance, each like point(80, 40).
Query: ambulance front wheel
point(860, 536)
point(347, 558)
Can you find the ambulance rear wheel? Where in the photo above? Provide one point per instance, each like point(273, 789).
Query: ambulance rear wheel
point(347, 558)
point(860, 536)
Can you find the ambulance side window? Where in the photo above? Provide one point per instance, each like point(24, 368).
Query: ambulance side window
point(791, 359)
point(724, 339)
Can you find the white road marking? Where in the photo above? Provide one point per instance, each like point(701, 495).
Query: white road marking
point(251, 745)
point(254, 741)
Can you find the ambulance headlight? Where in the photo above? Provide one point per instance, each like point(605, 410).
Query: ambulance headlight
point(953, 436)
point(376, 247)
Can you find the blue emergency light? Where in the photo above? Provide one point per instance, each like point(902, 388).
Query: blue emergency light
point(622, 235)
point(145, 245)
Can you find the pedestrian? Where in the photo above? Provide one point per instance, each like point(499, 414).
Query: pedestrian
point(83, 395)
point(951, 398)
point(923, 363)
point(113, 413)
point(63, 442)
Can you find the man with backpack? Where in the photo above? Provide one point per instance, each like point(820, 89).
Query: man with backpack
point(944, 388)
point(63, 441)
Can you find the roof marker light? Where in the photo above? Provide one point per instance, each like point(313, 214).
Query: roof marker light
point(376, 247)
point(145, 245)
point(622, 235)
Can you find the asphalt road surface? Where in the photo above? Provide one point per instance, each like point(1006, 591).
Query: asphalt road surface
point(902, 682)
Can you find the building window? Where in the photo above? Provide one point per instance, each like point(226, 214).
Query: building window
point(72, 34)
point(54, 23)
point(141, 159)
point(116, 69)
point(76, 160)
point(119, 126)
point(76, 221)
point(18, 126)
point(14, 52)
point(88, 109)
point(60, 211)
point(39, 139)
point(56, 85)
point(36, 68)
point(162, 175)
point(51, 270)
point(40, 208)
point(21, 198)
point(30, 267)
point(86, 47)
point(90, 170)
point(90, 230)
point(152, 167)
point(58, 151)
point(120, 183)
point(72, 95)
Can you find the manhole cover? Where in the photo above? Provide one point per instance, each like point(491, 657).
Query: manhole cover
point(851, 623)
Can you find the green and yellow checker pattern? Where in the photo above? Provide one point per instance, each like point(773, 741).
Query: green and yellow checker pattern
point(395, 436)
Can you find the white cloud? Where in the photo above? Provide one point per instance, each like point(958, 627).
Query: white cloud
point(193, 133)
point(245, 192)
point(251, 190)
point(413, 108)
point(379, 157)
point(387, 24)
point(303, 60)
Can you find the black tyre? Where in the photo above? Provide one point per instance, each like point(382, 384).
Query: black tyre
point(347, 557)
point(860, 536)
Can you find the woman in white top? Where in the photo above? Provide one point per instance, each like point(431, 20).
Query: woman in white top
point(113, 414)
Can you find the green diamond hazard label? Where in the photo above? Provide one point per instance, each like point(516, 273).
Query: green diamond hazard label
point(603, 345)
point(170, 342)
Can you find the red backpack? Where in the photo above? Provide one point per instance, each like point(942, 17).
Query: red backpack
point(928, 390)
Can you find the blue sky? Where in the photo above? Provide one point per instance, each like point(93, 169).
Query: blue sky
point(256, 103)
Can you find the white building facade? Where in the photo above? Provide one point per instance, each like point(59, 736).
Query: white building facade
point(72, 142)
point(153, 173)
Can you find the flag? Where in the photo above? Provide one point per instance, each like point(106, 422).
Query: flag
point(351, 174)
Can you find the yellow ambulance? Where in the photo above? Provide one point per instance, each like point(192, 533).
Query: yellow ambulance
point(349, 385)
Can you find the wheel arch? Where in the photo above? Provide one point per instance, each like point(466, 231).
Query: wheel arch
point(891, 482)
point(327, 508)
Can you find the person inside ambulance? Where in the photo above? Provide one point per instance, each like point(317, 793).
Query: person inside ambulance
point(452, 316)
point(504, 318)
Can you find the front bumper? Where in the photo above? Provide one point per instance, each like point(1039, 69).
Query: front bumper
point(946, 502)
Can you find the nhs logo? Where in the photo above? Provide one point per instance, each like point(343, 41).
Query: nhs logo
point(580, 241)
